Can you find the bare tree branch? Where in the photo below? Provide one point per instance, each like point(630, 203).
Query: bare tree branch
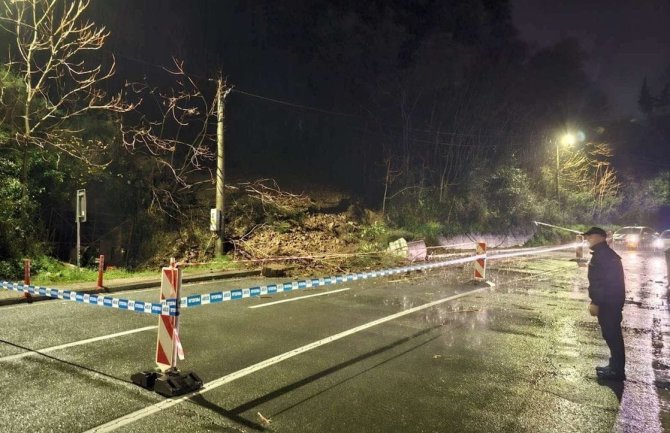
point(61, 81)
point(175, 129)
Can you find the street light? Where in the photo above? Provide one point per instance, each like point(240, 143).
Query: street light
point(568, 139)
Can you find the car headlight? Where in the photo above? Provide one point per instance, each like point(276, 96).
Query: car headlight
point(633, 239)
point(658, 243)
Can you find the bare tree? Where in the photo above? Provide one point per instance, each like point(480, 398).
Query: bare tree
point(174, 132)
point(55, 49)
point(590, 171)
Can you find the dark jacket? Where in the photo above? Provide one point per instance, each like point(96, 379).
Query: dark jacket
point(606, 280)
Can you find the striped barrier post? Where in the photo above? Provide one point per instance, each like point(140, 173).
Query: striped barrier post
point(101, 270)
point(579, 249)
point(169, 382)
point(480, 264)
point(168, 326)
point(26, 278)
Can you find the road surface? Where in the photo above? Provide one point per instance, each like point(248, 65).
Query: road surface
point(423, 352)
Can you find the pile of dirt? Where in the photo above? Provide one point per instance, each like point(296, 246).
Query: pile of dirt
point(316, 234)
point(269, 225)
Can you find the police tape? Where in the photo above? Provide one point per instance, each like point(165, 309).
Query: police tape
point(167, 307)
point(252, 292)
point(526, 252)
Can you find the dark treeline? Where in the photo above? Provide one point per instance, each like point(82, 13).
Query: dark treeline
point(433, 112)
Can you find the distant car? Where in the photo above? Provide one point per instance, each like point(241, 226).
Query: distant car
point(635, 238)
point(662, 242)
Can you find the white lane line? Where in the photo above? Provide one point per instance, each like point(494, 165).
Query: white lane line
point(165, 404)
point(153, 289)
point(299, 298)
point(76, 343)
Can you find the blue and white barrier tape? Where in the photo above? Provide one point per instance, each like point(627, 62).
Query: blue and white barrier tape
point(167, 307)
point(252, 292)
point(526, 252)
point(217, 297)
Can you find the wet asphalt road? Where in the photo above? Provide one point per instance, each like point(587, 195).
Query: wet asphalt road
point(518, 357)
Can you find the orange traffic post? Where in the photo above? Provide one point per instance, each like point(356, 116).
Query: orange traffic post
point(26, 278)
point(101, 270)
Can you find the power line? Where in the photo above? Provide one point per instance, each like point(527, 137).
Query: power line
point(292, 104)
point(303, 106)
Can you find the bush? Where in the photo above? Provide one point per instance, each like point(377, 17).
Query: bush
point(11, 270)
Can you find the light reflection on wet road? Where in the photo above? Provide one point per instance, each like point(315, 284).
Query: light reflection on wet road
point(645, 324)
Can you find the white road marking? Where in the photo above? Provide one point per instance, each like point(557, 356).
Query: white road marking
point(76, 343)
point(153, 289)
point(299, 298)
point(165, 404)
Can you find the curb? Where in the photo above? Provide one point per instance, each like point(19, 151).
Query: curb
point(145, 284)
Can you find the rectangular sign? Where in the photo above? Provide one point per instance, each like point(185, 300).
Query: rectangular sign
point(81, 206)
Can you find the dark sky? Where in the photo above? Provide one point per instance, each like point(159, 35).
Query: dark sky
point(626, 40)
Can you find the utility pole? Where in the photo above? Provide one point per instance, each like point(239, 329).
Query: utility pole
point(221, 93)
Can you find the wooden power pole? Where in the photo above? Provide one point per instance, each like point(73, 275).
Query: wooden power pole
point(221, 93)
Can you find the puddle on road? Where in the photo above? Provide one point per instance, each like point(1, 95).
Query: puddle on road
point(646, 398)
point(645, 319)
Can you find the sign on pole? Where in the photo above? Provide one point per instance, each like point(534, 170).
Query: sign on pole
point(214, 220)
point(81, 205)
point(80, 217)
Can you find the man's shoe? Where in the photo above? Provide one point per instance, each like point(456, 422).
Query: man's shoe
point(610, 374)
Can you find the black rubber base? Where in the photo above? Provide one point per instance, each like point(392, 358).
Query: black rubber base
point(171, 384)
point(145, 379)
point(168, 384)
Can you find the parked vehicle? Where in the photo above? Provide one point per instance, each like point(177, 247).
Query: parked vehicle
point(635, 238)
point(662, 242)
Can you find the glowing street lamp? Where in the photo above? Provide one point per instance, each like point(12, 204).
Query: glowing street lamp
point(568, 139)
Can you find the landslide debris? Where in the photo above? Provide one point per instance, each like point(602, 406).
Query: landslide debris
point(325, 230)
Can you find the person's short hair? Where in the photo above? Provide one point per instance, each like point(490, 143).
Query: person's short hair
point(595, 231)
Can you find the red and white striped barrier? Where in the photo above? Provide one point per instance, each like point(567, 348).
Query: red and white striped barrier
point(26, 278)
point(168, 346)
point(170, 382)
point(480, 264)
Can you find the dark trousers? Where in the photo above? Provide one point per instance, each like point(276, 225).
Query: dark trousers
point(609, 319)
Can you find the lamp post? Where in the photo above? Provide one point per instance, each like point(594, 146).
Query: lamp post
point(566, 140)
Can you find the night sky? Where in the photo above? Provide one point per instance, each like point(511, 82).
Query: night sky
point(625, 40)
point(305, 53)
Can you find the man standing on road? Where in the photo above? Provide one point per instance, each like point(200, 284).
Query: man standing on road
point(607, 292)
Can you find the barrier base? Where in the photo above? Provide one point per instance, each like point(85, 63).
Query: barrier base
point(168, 384)
point(145, 379)
point(174, 383)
